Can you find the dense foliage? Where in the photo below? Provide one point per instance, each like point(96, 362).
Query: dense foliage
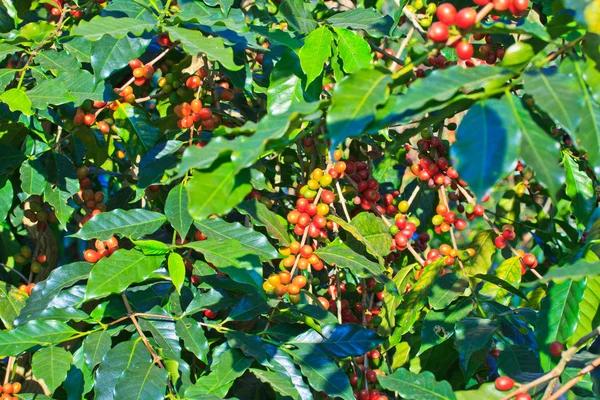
point(295, 200)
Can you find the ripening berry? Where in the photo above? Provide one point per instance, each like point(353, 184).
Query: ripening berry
point(438, 32)
point(89, 119)
point(446, 13)
point(556, 348)
point(91, 256)
point(504, 383)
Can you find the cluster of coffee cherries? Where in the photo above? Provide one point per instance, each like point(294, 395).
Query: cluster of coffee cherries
point(282, 283)
point(8, 389)
point(141, 73)
point(40, 212)
point(103, 249)
point(310, 216)
point(370, 374)
point(449, 19)
point(352, 312)
point(528, 260)
point(433, 165)
point(190, 113)
point(306, 256)
point(26, 255)
point(92, 202)
point(56, 7)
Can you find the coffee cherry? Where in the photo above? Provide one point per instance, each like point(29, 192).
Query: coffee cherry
point(91, 256)
point(103, 127)
point(464, 50)
point(521, 5)
point(556, 348)
point(138, 72)
point(465, 18)
point(501, 5)
point(500, 242)
point(446, 13)
point(148, 71)
point(438, 32)
point(89, 119)
point(504, 383)
point(193, 82)
point(133, 64)
point(16, 386)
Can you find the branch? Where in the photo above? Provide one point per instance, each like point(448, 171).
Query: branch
point(386, 55)
point(557, 371)
point(16, 272)
point(59, 25)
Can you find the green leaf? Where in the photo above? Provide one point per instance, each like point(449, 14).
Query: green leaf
point(129, 223)
point(486, 391)
point(58, 62)
point(528, 25)
point(510, 272)
point(415, 299)
point(109, 55)
point(558, 317)
point(323, 374)
point(152, 247)
point(51, 91)
point(589, 314)
point(556, 93)
point(17, 100)
point(6, 77)
point(472, 336)
point(354, 102)
point(115, 273)
point(176, 210)
point(256, 242)
point(297, 16)
point(438, 326)
point(232, 258)
point(483, 244)
point(80, 84)
point(217, 190)
point(588, 132)
point(58, 200)
point(51, 364)
point(34, 333)
point(353, 49)
point(134, 126)
point(446, 289)
point(493, 279)
point(119, 359)
point(315, 52)
point(230, 365)
point(12, 302)
point(338, 253)
point(142, 381)
point(176, 270)
point(286, 85)
point(578, 270)
point(365, 19)
point(36, 31)
point(95, 347)
point(251, 345)
point(486, 145)
point(421, 386)
point(163, 332)
point(99, 26)
point(580, 188)
point(6, 198)
point(195, 43)
point(7, 49)
point(262, 216)
point(46, 291)
point(248, 308)
point(338, 340)
point(537, 148)
point(281, 383)
point(370, 230)
point(447, 82)
point(192, 334)
point(10, 157)
point(516, 360)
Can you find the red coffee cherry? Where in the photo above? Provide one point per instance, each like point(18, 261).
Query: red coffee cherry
point(504, 383)
point(556, 348)
point(464, 50)
point(438, 32)
point(446, 13)
point(465, 18)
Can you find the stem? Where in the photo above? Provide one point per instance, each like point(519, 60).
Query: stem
point(444, 198)
point(16, 272)
point(566, 356)
point(9, 367)
point(487, 219)
point(59, 25)
point(338, 294)
point(384, 54)
point(403, 45)
point(363, 283)
point(342, 200)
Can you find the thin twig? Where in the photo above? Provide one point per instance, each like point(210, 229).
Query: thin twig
point(403, 45)
point(342, 200)
point(16, 272)
point(386, 55)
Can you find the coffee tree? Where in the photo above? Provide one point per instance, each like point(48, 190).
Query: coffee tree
point(299, 200)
